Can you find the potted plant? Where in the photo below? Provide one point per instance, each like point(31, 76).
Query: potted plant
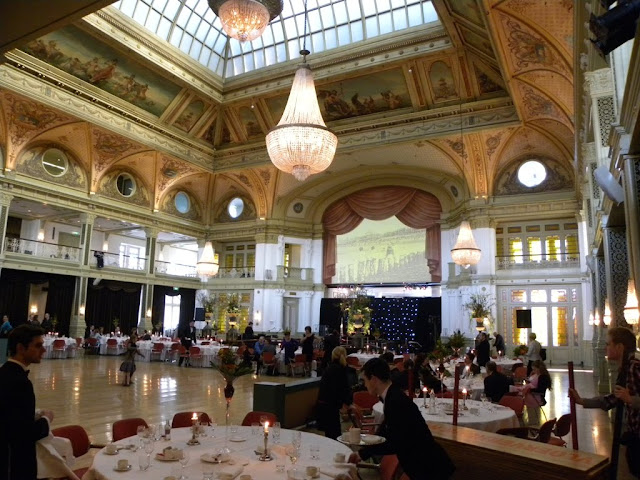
point(233, 308)
point(479, 307)
point(520, 350)
point(456, 342)
point(359, 313)
point(208, 302)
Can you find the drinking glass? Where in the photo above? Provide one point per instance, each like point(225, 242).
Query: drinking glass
point(144, 461)
point(148, 446)
point(213, 428)
point(141, 432)
point(184, 460)
point(314, 450)
point(483, 399)
point(276, 432)
point(255, 428)
point(296, 439)
point(234, 429)
point(207, 473)
point(293, 453)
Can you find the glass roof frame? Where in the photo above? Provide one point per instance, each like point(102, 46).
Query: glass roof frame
point(192, 27)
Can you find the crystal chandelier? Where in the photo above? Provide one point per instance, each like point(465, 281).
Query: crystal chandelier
point(606, 318)
point(245, 20)
point(465, 252)
point(301, 143)
point(631, 312)
point(207, 266)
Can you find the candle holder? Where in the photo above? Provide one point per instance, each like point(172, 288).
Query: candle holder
point(194, 435)
point(265, 457)
point(424, 397)
point(464, 400)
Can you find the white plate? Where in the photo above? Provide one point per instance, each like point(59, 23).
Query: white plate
point(214, 458)
point(161, 458)
point(237, 439)
point(365, 439)
point(122, 469)
point(107, 453)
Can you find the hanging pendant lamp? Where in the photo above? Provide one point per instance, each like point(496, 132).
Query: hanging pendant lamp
point(631, 312)
point(207, 266)
point(301, 143)
point(245, 20)
point(465, 252)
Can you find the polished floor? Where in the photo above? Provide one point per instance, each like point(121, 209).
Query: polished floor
point(87, 391)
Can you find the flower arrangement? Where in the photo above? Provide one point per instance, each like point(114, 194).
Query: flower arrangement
point(456, 340)
point(230, 367)
point(520, 350)
point(479, 305)
point(116, 323)
point(440, 351)
point(54, 323)
point(359, 312)
point(207, 300)
point(233, 307)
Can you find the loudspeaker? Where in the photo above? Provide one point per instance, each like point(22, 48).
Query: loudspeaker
point(199, 317)
point(523, 318)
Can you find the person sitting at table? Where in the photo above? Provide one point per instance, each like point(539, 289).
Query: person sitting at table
point(289, 347)
point(6, 327)
point(409, 371)
point(496, 384)
point(483, 350)
point(544, 382)
point(333, 393)
point(470, 368)
point(426, 374)
point(404, 428)
point(258, 349)
point(146, 335)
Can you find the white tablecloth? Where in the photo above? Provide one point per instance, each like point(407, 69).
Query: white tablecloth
point(70, 347)
point(54, 456)
point(243, 452)
point(121, 346)
point(145, 347)
point(364, 357)
point(485, 420)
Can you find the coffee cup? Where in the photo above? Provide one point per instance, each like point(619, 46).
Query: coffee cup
point(312, 471)
point(111, 449)
point(354, 436)
point(245, 477)
point(123, 464)
point(474, 411)
point(339, 458)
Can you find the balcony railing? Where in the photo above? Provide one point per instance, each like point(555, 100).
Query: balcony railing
point(41, 249)
point(295, 273)
point(176, 269)
point(116, 260)
point(537, 261)
point(233, 272)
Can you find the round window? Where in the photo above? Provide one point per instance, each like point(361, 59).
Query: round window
point(182, 202)
point(532, 173)
point(55, 162)
point(126, 184)
point(235, 208)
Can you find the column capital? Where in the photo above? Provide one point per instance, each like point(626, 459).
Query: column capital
point(5, 199)
point(599, 83)
point(151, 232)
point(88, 218)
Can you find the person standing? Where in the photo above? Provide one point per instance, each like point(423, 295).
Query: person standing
point(499, 343)
point(483, 350)
point(331, 341)
point(6, 327)
point(533, 352)
point(405, 429)
point(307, 349)
point(248, 332)
point(621, 347)
point(186, 339)
point(333, 393)
point(128, 366)
point(20, 425)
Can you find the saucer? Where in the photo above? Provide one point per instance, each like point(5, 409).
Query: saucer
point(161, 458)
point(237, 439)
point(214, 458)
point(122, 469)
point(107, 453)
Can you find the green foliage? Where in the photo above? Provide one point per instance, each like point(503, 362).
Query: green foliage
point(230, 367)
point(233, 307)
point(208, 301)
point(457, 340)
point(520, 350)
point(440, 351)
point(479, 305)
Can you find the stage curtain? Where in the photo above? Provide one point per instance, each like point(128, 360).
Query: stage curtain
point(60, 300)
point(112, 299)
point(413, 207)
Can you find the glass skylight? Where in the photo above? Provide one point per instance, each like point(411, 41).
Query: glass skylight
point(191, 26)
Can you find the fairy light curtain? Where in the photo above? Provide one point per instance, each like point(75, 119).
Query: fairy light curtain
point(415, 208)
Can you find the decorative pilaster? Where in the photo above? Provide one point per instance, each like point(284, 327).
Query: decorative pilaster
point(85, 237)
point(78, 323)
point(596, 328)
point(617, 272)
point(146, 322)
point(150, 249)
point(5, 203)
point(601, 90)
point(601, 296)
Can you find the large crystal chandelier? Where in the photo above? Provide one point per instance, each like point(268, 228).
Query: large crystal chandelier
point(301, 143)
point(465, 252)
point(631, 312)
point(245, 20)
point(207, 266)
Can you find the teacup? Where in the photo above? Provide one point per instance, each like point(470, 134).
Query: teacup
point(245, 477)
point(312, 471)
point(111, 449)
point(354, 435)
point(123, 464)
point(339, 458)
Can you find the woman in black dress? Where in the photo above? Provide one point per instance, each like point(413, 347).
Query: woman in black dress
point(307, 349)
point(334, 392)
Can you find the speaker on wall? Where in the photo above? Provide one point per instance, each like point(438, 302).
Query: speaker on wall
point(523, 318)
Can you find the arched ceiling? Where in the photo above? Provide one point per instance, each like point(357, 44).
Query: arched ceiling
point(495, 73)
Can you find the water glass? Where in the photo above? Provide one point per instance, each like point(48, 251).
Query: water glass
point(207, 473)
point(280, 464)
point(213, 428)
point(233, 428)
point(314, 450)
point(275, 432)
point(148, 446)
point(296, 439)
point(144, 461)
point(255, 428)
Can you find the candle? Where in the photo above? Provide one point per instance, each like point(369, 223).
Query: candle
point(424, 396)
point(499, 353)
point(266, 427)
point(194, 418)
point(464, 397)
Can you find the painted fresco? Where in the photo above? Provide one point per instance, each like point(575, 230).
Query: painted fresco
point(476, 41)
point(83, 56)
point(378, 92)
point(468, 9)
point(190, 115)
point(444, 88)
point(250, 122)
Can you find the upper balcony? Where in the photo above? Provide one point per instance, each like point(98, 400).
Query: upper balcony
point(44, 250)
point(538, 261)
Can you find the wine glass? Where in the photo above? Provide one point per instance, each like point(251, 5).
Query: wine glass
point(293, 453)
point(213, 428)
point(296, 439)
point(184, 460)
point(276, 432)
point(141, 432)
point(483, 399)
point(148, 447)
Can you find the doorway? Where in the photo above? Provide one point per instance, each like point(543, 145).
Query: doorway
point(290, 314)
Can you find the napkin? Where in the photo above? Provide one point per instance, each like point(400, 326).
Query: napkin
point(228, 472)
point(55, 457)
point(335, 469)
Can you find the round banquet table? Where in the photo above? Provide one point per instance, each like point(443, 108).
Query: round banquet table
point(243, 452)
point(485, 420)
point(364, 357)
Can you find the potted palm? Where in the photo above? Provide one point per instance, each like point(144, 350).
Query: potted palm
point(456, 342)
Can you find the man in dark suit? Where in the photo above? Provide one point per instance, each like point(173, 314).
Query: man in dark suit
point(20, 426)
point(404, 428)
point(496, 384)
point(186, 339)
point(499, 343)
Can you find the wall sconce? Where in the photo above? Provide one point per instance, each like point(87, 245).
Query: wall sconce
point(41, 235)
point(34, 309)
point(257, 316)
point(105, 246)
point(591, 319)
point(596, 318)
point(631, 313)
point(606, 318)
point(81, 310)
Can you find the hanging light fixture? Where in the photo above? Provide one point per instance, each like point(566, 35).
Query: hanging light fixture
point(207, 266)
point(301, 143)
point(631, 312)
point(245, 20)
point(606, 318)
point(465, 252)
point(596, 317)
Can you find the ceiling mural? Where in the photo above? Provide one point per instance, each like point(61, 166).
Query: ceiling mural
point(190, 115)
point(85, 57)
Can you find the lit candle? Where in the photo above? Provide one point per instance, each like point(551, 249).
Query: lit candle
point(194, 418)
point(464, 397)
point(266, 427)
point(467, 370)
point(499, 353)
point(424, 396)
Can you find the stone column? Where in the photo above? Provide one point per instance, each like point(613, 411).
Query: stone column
point(150, 249)
point(617, 272)
point(146, 321)
point(78, 323)
point(601, 296)
point(596, 328)
point(85, 238)
point(5, 203)
point(631, 182)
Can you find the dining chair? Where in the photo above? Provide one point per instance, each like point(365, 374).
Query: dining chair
point(80, 443)
point(156, 351)
point(298, 364)
point(515, 403)
point(195, 356)
point(183, 419)
point(519, 374)
point(174, 352)
point(127, 427)
point(59, 348)
point(254, 417)
point(365, 400)
point(366, 424)
point(354, 363)
point(112, 346)
point(561, 429)
point(93, 347)
point(388, 467)
point(268, 360)
point(542, 434)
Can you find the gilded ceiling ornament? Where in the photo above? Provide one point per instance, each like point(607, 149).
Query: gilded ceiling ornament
point(537, 105)
point(30, 118)
point(531, 50)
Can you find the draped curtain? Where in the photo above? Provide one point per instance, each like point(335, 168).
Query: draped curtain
point(187, 304)
point(413, 207)
point(111, 299)
point(60, 300)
